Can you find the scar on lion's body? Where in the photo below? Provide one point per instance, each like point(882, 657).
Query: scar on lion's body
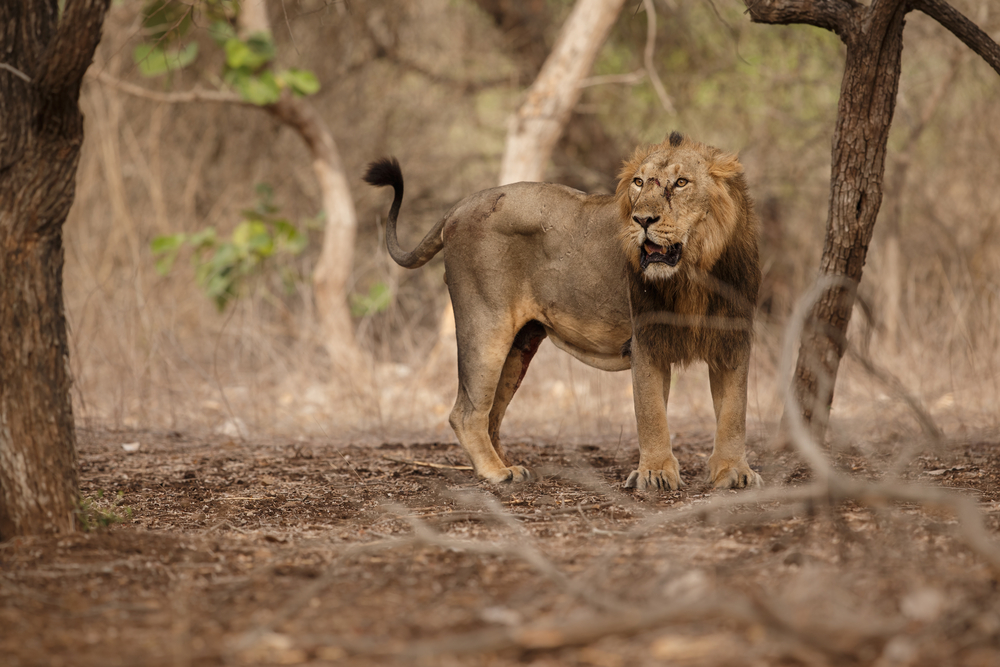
point(496, 204)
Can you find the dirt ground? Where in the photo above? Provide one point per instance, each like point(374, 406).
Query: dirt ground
point(312, 552)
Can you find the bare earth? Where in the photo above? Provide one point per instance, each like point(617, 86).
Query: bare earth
point(286, 552)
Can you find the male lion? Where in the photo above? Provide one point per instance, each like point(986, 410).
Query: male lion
point(663, 272)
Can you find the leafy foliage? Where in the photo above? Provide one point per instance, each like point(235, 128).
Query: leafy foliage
point(223, 266)
point(168, 46)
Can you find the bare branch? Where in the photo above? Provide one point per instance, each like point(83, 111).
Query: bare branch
point(195, 95)
point(629, 79)
point(967, 31)
point(426, 464)
point(632, 78)
point(833, 15)
point(654, 78)
point(15, 71)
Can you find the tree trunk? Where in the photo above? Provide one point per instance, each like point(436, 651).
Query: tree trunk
point(41, 130)
point(874, 38)
point(864, 115)
point(540, 121)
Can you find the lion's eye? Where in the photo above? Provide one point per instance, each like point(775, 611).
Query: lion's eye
point(680, 183)
point(637, 182)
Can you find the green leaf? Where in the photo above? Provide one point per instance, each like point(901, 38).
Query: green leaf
point(302, 82)
point(165, 20)
point(154, 61)
point(252, 54)
point(221, 32)
point(260, 90)
point(203, 239)
point(376, 301)
point(168, 243)
point(166, 247)
point(289, 238)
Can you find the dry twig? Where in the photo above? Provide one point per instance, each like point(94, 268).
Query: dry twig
point(426, 464)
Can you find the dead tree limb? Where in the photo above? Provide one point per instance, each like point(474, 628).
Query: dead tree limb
point(967, 31)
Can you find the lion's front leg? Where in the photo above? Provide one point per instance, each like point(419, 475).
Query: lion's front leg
point(658, 467)
point(728, 467)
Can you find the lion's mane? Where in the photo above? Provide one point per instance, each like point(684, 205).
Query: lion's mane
point(705, 311)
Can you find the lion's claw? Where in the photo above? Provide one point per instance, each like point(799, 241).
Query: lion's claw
point(738, 477)
point(653, 479)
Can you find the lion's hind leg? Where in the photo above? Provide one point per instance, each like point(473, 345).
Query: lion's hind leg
point(525, 345)
point(482, 360)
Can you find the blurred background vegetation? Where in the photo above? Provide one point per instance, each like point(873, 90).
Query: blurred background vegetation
point(434, 83)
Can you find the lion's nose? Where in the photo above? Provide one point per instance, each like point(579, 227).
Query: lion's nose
point(646, 222)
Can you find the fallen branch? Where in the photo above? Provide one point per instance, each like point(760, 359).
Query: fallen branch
point(426, 464)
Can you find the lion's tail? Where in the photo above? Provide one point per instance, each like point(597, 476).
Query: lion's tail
point(386, 171)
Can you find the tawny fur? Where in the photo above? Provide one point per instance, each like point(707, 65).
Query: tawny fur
point(528, 261)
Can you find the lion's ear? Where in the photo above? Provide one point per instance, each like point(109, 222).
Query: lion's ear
point(724, 166)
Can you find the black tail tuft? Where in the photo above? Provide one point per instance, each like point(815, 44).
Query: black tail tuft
point(384, 171)
point(676, 138)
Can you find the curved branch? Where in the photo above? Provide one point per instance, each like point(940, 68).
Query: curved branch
point(650, 51)
point(833, 15)
point(967, 31)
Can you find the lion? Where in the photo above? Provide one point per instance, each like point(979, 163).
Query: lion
point(663, 272)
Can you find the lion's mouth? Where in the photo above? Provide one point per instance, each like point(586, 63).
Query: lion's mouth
point(652, 254)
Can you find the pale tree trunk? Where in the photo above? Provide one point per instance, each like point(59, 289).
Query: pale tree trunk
point(538, 124)
point(331, 277)
point(535, 128)
point(42, 61)
point(874, 38)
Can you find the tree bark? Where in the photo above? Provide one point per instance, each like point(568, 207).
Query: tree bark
point(540, 121)
point(864, 115)
point(874, 38)
point(44, 57)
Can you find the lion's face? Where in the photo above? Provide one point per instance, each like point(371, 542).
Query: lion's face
point(677, 213)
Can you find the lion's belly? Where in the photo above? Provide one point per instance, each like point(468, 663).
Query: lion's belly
point(595, 337)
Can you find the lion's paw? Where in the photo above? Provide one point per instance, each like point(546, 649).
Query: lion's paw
point(510, 475)
point(739, 476)
point(643, 480)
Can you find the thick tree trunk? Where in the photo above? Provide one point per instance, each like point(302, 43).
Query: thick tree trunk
point(874, 38)
point(43, 57)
